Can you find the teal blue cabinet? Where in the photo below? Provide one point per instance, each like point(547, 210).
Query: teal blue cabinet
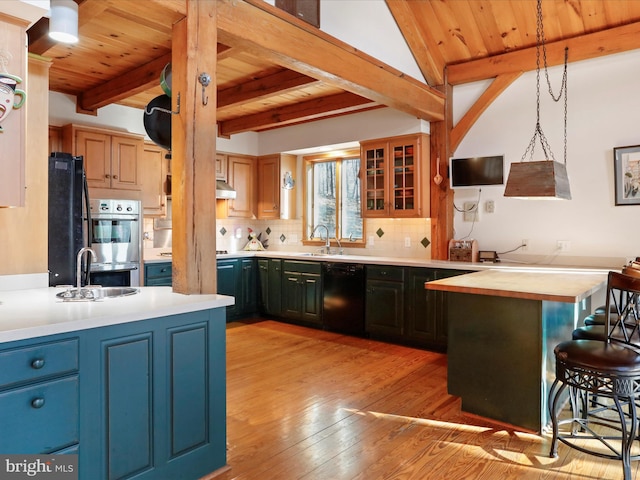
point(237, 277)
point(270, 286)
point(384, 302)
point(39, 409)
point(302, 292)
point(158, 274)
point(144, 400)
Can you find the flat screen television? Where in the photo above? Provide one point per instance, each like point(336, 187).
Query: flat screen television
point(476, 171)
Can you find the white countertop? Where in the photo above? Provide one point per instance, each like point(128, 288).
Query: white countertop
point(37, 312)
point(153, 256)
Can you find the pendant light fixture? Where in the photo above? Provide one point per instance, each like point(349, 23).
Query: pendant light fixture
point(545, 179)
point(63, 23)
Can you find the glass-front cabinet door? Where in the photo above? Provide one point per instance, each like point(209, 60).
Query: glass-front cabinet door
point(395, 177)
point(375, 201)
point(403, 178)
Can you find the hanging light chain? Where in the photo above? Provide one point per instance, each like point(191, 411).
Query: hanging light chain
point(540, 42)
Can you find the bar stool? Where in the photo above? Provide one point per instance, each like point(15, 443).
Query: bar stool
point(609, 369)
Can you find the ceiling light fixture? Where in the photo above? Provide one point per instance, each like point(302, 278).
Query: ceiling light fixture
point(545, 179)
point(63, 23)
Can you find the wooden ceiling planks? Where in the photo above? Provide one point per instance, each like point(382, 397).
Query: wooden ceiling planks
point(119, 36)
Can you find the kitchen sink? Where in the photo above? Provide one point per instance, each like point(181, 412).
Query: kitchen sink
point(93, 293)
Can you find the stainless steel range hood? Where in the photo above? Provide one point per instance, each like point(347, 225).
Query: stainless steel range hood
point(224, 190)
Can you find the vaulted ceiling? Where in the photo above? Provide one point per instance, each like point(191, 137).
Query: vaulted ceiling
point(275, 70)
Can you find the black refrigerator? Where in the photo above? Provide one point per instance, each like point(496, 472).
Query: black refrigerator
point(69, 217)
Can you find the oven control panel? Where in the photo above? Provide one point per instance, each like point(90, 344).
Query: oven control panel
point(114, 206)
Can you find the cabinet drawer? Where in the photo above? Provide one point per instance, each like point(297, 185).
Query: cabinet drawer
point(39, 418)
point(393, 274)
point(154, 270)
point(301, 266)
point(34, 362)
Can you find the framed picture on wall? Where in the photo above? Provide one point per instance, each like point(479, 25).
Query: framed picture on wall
point(626, 169)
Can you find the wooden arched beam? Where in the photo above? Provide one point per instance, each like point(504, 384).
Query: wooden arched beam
point(499, 85)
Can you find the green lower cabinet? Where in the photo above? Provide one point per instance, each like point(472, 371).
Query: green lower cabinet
point(270, 286)
point(302, 292)
point(384, 302)
point(421, 309)
point(399, 309)
point(237, 278)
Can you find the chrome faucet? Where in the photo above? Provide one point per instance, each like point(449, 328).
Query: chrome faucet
point(79, 265)
point(328, 243)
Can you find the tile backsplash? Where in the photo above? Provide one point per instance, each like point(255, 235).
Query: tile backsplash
point(386, 237)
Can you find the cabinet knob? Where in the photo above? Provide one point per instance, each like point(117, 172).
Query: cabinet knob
point(275, 207)
point(38, 363)
point(107, 176)
point(115, 176)
point(37, 402)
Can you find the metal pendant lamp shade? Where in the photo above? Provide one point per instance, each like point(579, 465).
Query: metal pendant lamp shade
point(542, 179)
point(63, 24)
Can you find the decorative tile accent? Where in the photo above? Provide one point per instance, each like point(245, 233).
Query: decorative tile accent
point(425, 242)
point(268, 230)
point(282, 238)
point(223, 231)
point(380, 232)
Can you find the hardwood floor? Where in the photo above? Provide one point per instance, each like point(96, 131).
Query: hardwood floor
point(309, 404)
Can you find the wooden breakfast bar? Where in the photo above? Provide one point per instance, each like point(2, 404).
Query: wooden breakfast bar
point(502, 328)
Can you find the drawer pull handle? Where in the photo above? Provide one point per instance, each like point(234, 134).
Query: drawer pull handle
point(37, 402)
point(38, 363)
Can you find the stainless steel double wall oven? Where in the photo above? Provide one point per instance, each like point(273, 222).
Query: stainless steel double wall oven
point(116, 237)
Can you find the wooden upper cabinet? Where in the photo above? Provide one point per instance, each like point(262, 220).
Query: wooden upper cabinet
point(241, 174)
point(274, 201)
point(112, 159)
point(221, 166)
point(154, 170)
point(395, 177)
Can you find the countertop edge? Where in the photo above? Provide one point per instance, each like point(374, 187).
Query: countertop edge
point(49, 317)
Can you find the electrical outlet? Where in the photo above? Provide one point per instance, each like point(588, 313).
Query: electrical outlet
point(371, 241)
point(564, 245)
point(470, 213)
point(525, 245)
point(489, 206)
point(407, 241)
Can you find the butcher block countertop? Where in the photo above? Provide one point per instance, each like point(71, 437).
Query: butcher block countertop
point(555, 285)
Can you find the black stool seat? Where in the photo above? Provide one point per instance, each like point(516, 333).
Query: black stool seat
point(599, 332)
point(603, 357)
point(598, 318)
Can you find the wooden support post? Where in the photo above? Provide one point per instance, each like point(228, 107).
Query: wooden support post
point(193, 150)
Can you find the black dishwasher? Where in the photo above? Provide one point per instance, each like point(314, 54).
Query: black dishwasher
point(343, 297)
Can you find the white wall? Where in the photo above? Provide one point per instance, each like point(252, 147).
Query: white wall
point(62, 110)
point(604, 112)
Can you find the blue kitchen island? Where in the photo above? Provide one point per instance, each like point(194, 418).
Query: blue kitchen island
point(136, 386)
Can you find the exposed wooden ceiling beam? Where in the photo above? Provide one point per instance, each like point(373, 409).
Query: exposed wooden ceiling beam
point(269, 33)
point(340, 103)
point(139, 80)
point(606, 42)
point(421, 43)
point(278, 83)
point(499, 84)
